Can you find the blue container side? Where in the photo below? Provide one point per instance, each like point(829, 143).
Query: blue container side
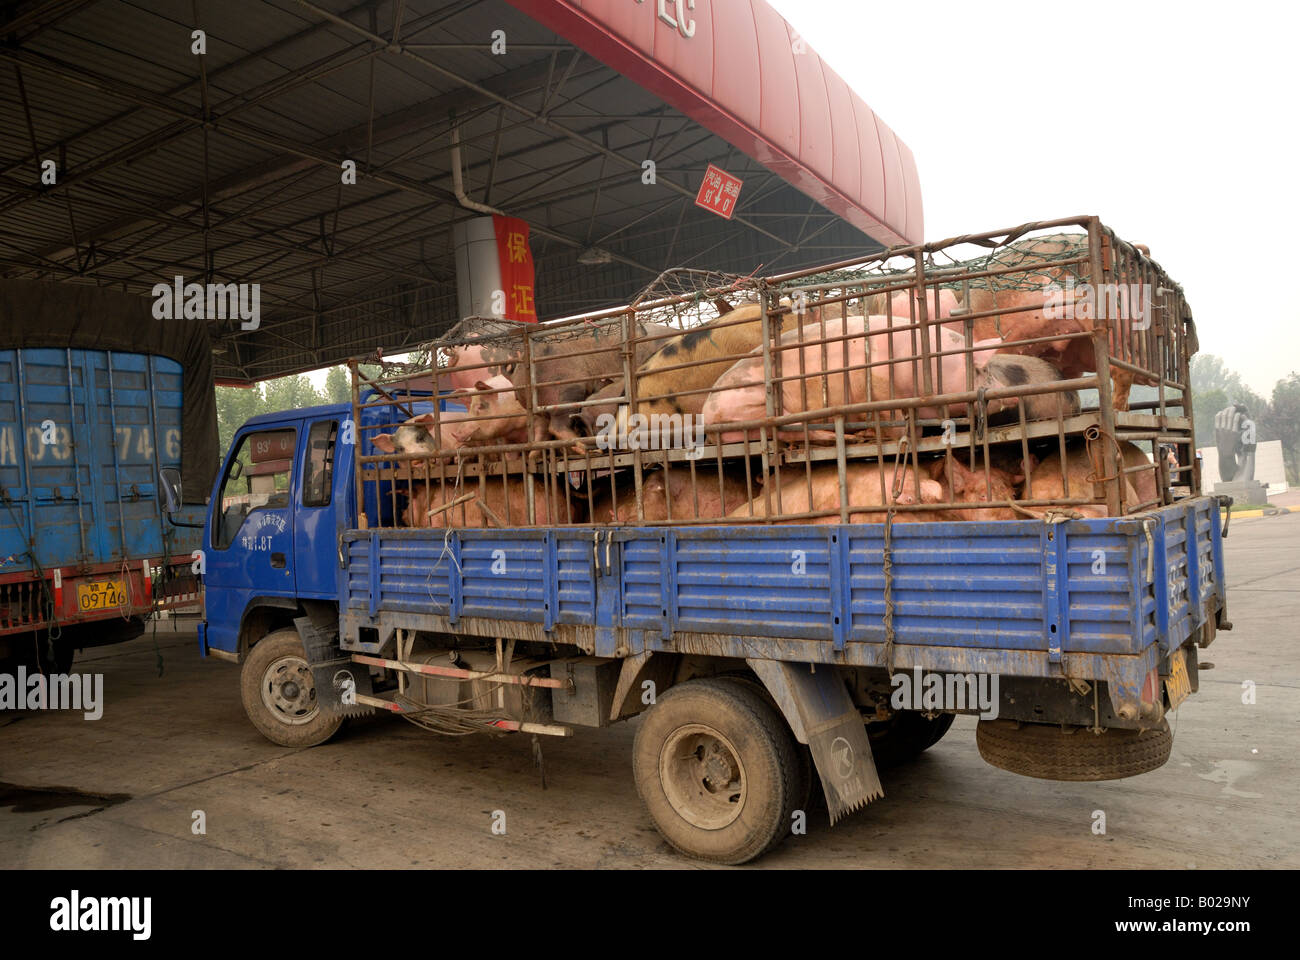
point(83, 434)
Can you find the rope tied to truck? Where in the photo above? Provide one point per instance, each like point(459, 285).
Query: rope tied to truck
point(887, 552)
point(887, 568)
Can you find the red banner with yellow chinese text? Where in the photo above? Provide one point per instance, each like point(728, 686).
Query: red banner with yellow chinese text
point(516, 261)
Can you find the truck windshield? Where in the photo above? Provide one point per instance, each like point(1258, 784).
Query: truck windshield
point(261, 482)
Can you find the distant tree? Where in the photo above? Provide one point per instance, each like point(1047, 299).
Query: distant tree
point(1209, 372)
point(1281, 420)
point(338, 382)
point(338, 386)
point(290, 393)
point(1205, 404)
point(234, 406)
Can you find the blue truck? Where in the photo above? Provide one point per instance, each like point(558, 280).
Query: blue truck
point(96, 399)
point(764, 660)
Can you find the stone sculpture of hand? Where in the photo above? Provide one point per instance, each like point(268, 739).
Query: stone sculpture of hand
point(1234, 435)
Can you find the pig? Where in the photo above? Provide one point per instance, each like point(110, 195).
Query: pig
point(869, 485)
point(553, 361)
point(454, 376)
point(725, 339)
point(1144, 482)
point(899, 305)
point(1014, 370)
point(415, 436)
point(1047, 481)
point(493, 399)
point(1025, 289)
point(962, 484)
point(504, 420)
point(741, 393)
point(1074, 357)
point(675, 483)
point(684, 390)
point(509, 504)
point(603, 403)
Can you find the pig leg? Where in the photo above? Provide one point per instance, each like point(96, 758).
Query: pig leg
point(1121, 383)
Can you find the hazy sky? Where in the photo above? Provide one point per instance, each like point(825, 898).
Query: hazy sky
point(1176, 123)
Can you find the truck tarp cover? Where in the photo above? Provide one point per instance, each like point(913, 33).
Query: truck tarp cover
point(36, 314)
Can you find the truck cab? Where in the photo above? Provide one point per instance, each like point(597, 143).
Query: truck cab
point(273, 525)
point(273, 537)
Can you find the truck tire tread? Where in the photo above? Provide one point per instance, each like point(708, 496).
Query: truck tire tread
point(1047, 752)
point(772, 766)
point(275, 645)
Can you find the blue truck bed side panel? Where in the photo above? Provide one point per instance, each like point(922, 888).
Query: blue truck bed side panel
point(1027, 594)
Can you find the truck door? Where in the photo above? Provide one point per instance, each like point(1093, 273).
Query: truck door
point(315, 540)
point(251, 532)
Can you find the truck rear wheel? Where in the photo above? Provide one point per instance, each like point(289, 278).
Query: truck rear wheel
point(905, 736)
point(716, 768)
point(279, 695)
point(1048, 752)
point(806, 778)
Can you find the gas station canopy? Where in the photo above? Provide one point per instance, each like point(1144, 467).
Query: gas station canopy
point(230, 163)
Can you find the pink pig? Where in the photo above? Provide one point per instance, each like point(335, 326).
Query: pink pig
point(494, 416)
point(741, 393)
point(870, 487)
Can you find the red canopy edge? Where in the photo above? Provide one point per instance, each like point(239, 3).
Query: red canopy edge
point(745, 75)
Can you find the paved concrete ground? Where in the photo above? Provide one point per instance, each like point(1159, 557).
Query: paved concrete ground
point(389, 795)
point(1289, 499)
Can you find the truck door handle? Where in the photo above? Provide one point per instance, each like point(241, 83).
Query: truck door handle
point(277, 561)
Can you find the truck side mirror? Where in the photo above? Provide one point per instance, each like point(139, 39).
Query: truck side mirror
point(169, 480)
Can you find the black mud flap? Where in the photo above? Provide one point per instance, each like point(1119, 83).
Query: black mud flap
point(338, 680)
point(821, 714)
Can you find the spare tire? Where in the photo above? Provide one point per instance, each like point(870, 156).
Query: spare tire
point(1053, 752)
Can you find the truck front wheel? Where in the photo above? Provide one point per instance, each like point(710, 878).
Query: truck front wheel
point(279, 695)
point(716, 768)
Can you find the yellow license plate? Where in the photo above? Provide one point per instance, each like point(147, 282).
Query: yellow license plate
point(1178, 683)
point(100, 595)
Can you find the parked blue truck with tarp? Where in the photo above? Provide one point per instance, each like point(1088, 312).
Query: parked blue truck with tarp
point(764, 657)
point(97, 397)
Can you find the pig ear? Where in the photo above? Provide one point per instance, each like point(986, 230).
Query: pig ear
point(384, 442)
point(931, 491)
point(422, 418)
point(481, 385)
point(937, 467)
point(1026, 468)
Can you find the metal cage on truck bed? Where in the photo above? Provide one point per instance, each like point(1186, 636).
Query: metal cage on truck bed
point(978, 355)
